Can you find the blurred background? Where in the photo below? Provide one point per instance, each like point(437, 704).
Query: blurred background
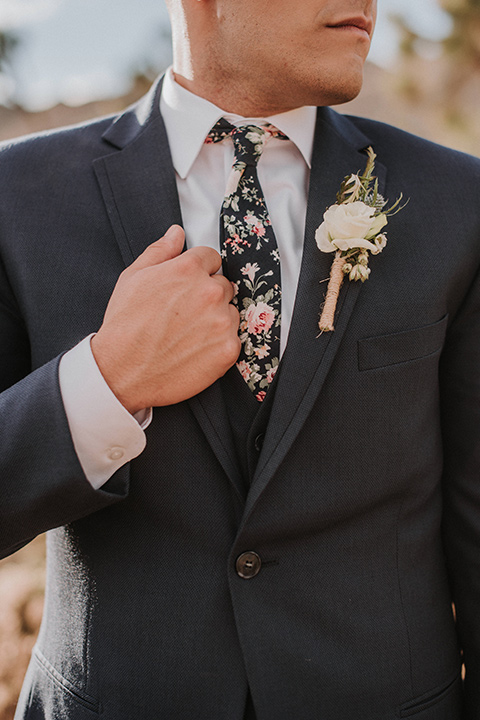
point(65, 61)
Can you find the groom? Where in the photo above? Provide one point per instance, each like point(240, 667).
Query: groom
point(284, 542)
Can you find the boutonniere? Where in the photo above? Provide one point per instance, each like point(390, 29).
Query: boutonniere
point(353, 229)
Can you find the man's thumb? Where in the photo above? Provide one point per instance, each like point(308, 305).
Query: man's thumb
point(166, 248)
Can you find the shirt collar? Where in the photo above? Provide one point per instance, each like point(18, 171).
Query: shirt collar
point(189, 118)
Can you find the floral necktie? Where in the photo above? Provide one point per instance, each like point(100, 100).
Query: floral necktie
point(250, 256)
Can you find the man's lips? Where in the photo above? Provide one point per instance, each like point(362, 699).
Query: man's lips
point(359, 23)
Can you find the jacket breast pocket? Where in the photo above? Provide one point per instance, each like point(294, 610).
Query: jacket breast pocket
point(401, 347)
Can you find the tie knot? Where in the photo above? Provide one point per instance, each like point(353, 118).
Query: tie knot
point(248, 140)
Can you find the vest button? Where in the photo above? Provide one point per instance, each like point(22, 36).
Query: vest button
point(248, 565)
point(258, 442)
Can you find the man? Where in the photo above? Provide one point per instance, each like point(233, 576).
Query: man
point(283, 548)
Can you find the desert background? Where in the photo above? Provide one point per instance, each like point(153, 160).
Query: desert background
point(424, 76)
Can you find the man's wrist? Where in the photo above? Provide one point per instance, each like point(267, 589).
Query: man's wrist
point(104, 433)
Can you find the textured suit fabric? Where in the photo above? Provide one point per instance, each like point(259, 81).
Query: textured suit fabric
point(364, 501)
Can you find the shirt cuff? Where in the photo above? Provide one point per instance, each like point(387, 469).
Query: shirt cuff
point(105, 435)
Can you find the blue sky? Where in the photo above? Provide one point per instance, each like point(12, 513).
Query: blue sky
point(75, 50)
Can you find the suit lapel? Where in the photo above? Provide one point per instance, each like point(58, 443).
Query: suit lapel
point(140, 194)
point(138, 183)
point(308, 356)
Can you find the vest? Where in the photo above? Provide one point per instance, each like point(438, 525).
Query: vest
point(248, 420)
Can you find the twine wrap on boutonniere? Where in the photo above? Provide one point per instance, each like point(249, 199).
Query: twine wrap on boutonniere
point(352, 228)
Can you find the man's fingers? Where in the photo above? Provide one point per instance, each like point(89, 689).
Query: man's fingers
point(226, 285)
point(170, 246)
point(201, 258)
point(166, 248)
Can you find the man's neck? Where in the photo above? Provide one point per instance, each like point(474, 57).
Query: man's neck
point(239, 103)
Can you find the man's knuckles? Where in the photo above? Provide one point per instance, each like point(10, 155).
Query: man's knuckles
point(200, 260)
point(214, 293)
point(228, 352)
point(226, 285)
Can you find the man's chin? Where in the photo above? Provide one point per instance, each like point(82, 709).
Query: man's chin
point(342, 90)
point(345, 97)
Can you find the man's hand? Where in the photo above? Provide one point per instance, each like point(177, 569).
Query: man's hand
point(169, 330)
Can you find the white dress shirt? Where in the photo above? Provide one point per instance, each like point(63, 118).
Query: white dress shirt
point(104, 434)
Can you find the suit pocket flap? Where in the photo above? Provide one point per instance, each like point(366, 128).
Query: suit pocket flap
point(79, 696)
point(447, 698)
point(384, 350)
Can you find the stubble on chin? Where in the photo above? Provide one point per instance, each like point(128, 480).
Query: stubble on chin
point(336, 86)
point(342, 92)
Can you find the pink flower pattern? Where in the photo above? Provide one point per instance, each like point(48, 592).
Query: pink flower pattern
point(250, 270)
point(247, 230)
point(259, 318)
point(244, 369)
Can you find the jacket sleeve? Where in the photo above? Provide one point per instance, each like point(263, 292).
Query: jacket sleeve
point(42, 484)
point(460, 405)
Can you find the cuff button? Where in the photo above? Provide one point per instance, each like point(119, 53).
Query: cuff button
point(116, 453)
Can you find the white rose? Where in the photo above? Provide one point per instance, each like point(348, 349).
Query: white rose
point(348, 226)
point(378, 224)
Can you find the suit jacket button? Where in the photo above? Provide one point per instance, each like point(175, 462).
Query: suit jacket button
point(248, 565)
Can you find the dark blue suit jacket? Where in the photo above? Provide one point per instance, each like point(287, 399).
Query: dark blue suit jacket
point(365, 503)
